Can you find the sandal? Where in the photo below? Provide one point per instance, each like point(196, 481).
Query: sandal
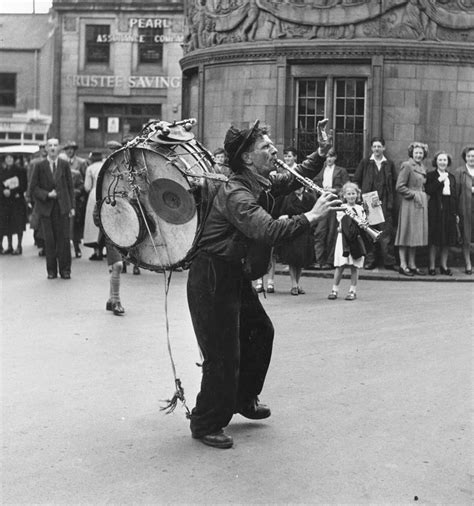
point(332, 295)
point(294, 290)
point(270, 288)
point(259, 287)
point(301, 291)
point(351, 296)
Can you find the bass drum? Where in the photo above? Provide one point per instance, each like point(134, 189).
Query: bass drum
point(146, 196)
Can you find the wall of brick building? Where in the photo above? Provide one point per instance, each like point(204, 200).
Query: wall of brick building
point(431, 103)
point(237, 95)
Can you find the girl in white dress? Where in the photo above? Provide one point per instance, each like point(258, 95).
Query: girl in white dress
point(350, 194)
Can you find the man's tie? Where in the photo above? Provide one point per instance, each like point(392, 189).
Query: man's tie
point(54, 169)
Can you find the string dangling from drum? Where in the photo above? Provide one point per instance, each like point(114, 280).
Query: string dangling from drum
point(179, 390)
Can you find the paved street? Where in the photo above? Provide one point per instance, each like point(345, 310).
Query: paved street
point(371, 400)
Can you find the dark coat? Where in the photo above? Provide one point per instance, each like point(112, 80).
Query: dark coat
point(13, 208)
point(365, 177)
point(42, 182)
point(299, 250)
point(339, 178)
point(442, 211)
point(464, 198)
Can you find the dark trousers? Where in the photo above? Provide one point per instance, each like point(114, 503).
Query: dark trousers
point(55, 230)
point(384, 244)
point(235, 336)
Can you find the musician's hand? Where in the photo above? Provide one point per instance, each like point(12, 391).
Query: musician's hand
point(52, 194)
point(324, 138)
point(327, 202)
point(72, 213)
point(6, 192)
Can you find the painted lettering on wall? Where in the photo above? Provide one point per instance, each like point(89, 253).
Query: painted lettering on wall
point(150, 22)
point(98, 81)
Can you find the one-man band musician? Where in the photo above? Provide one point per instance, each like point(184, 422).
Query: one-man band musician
point(233, 330)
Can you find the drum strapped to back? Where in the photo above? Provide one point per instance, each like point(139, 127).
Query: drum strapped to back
point(147, 194)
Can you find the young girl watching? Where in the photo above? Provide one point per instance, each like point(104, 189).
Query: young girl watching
point(349, 248)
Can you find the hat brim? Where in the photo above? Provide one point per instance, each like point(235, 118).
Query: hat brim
point(245, 143)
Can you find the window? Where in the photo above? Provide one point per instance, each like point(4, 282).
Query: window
point(150, 45)
point(7, 90)
point(349, 121)
point(106, 122)
point(311, 106)
point(344, 101)
point(97, 43)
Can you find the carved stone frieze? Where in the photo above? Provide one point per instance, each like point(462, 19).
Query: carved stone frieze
point(213, 22)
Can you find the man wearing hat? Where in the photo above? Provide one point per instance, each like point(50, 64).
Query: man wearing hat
point(78, 168)
point(233, 331)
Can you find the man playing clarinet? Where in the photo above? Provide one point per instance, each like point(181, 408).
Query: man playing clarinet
point(233, 331)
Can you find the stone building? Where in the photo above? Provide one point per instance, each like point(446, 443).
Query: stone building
point(117, 67)
point(402, 69)
point(26, 96)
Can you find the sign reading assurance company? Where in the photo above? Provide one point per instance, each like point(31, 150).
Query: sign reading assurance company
point(100, 81)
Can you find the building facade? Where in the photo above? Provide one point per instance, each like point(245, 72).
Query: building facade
point(26, 95)
point(402, 69)
point(117, 67)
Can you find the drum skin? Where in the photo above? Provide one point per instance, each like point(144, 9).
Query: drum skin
point(152, 179)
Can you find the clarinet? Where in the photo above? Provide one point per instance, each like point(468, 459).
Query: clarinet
point(309, 183)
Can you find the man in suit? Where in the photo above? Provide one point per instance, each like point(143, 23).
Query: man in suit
point(332, 178)
point(377, 173)
point(51, 187)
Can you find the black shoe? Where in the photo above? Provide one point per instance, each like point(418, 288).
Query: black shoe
point(417, 271)
point(369, 267)
point(115, 307)
point(390, 267)
point(469, 271)
point(136, 270)
point(96, 256)
point(432, 272)
point(8, 251)
point(447, 271)
point(52, 275)
point(405, 271)
point(65, 275)
point(218, 440)
point(255, 411)
point(78, 252)
point(118, 309)
point(41, 252)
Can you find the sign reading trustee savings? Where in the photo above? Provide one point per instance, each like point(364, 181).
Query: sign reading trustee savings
point(108, 81)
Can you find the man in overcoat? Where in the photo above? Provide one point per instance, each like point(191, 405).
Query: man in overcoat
point(377, 173)
point(52, 188)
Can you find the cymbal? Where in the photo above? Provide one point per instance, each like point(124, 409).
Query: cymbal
point(176, 134)
point(171, 201)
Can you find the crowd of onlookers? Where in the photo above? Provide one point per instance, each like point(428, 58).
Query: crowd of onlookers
point(423, 201)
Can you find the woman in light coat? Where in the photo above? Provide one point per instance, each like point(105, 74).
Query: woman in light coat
point(91, 231)
point(412, 229)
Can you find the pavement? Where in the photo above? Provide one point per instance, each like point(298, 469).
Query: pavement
point(371, 399)
point(379, 273)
